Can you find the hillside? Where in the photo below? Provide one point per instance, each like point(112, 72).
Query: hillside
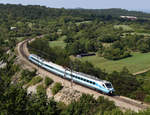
point(36, 12)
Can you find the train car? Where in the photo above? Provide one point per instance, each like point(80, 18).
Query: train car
point(78, 77)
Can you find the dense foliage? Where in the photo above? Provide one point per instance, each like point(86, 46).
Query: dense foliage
point(27, 75)
point(87, 105)
point(124, 82)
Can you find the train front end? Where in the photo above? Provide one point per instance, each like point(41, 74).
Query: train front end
point(110, 88)
point(106, 87)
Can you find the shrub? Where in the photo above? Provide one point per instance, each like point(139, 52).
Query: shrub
point(147, 98)
point(48, 81)
point(27, 75)
point(40, 89)
point(116, 53)
point(56, 88)
point(35, 80)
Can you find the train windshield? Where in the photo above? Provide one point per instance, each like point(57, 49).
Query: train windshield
point(108, 85)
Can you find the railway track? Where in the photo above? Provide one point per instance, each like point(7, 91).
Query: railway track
point(122, 102)
point(131, 102)
point(22, 49)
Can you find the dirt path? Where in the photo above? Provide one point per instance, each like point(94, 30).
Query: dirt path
point(140, 72)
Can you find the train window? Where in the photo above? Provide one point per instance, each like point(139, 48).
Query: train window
point(108, 85)
point(103, 85)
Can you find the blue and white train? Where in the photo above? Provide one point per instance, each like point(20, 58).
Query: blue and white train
point(78, 77)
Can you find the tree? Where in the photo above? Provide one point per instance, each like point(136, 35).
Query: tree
point(14, 101)
point(116, 53)
point(124, 82)
point(143, 46)
point(88, 105)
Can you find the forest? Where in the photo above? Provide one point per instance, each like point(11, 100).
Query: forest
point(83, 31)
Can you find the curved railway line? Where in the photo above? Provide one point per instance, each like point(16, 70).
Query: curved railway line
point(120, 101)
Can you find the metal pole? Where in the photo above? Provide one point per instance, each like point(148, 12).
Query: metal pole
point(38, 66)
point(71, 74)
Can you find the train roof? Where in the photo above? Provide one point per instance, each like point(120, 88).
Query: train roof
point(80, 73)
point(88, 76)
point(36, 56)
point(56, 65)
point(92, 77)
point(48, 62)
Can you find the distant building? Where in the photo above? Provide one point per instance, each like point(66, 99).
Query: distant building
point(129, 17)
point(13, 28)
point(84, 54)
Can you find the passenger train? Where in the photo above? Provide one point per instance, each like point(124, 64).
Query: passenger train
point(78, 77)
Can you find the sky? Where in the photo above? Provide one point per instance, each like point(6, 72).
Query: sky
point(89, 4)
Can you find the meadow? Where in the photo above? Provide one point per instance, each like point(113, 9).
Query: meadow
point(138, 62)
point(124, 27)
point(58, 43)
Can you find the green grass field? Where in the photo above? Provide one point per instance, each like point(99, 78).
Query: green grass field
point(84, 22)
point(124, 27)
point(58, 43)
point(136, 63)
point(144, 34)
point(19, 39)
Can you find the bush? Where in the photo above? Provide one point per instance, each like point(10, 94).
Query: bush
point(56, 88)
point(116, 54)
point(48, 81)
point(88, 105)
point(147, 98)
point(124, 83)
point(35, 80)
point(27, 75)
point(40, 89)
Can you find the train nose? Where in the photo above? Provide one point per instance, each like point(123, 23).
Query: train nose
point(111, 90)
